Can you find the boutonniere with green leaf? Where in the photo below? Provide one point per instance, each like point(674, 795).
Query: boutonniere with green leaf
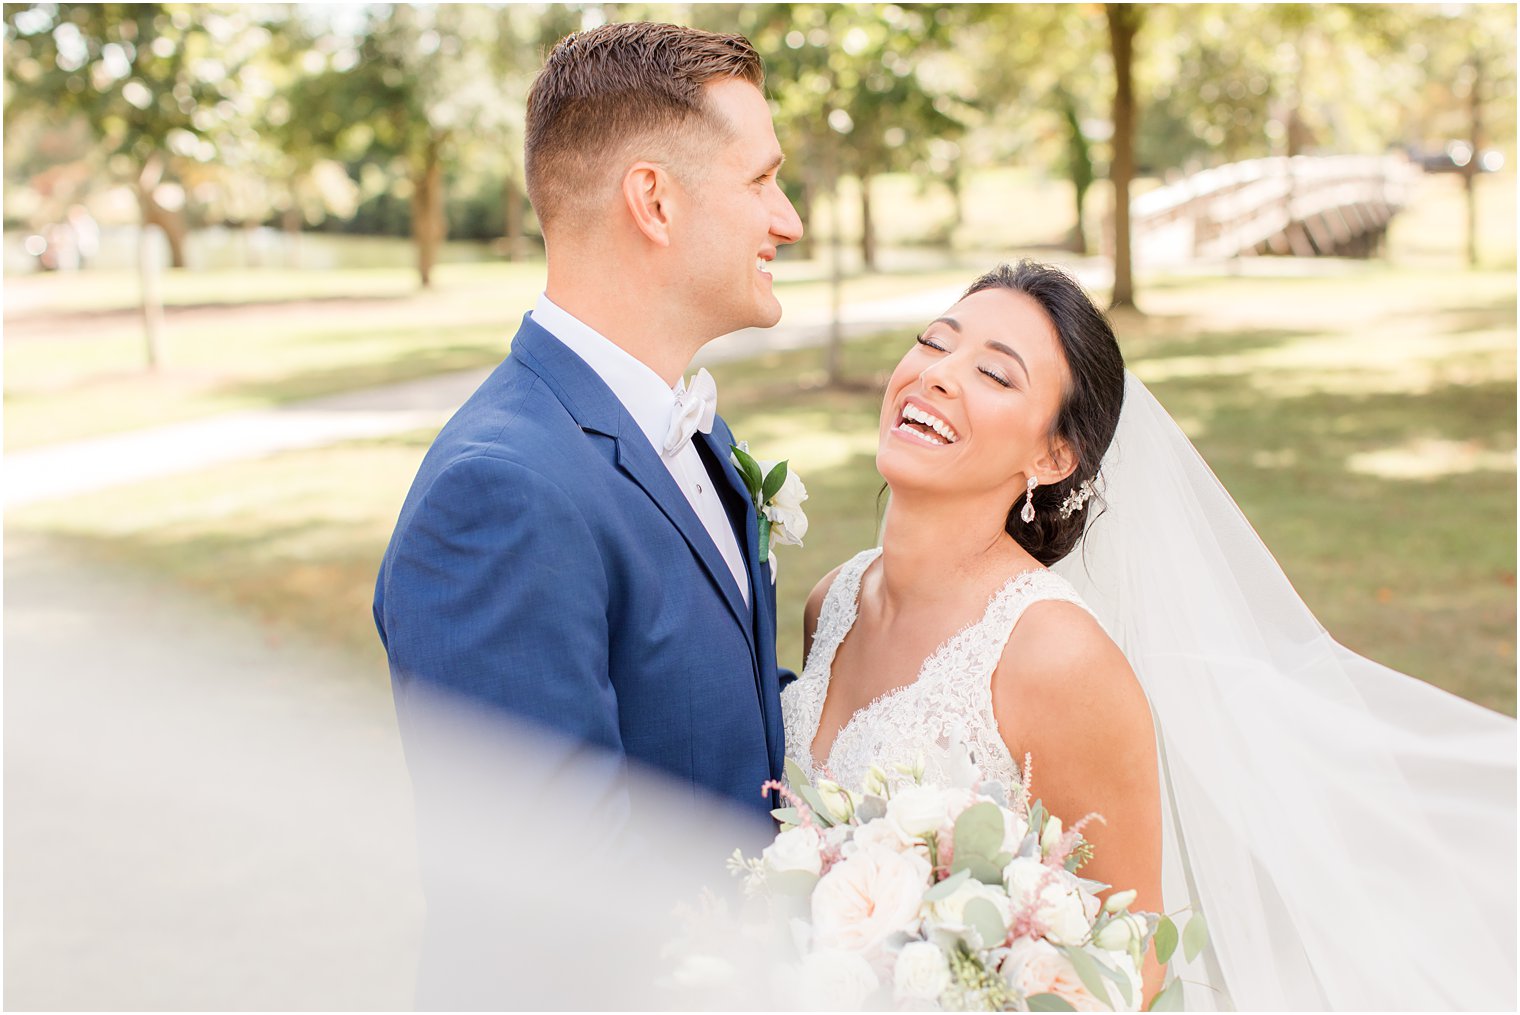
point(777, 494)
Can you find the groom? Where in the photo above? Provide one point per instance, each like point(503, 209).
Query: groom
point(577, 553)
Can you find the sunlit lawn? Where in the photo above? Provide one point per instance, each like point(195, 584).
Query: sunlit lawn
point(1365, 422)
point(87, 378)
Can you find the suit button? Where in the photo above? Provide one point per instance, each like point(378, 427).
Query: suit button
point(699, 489)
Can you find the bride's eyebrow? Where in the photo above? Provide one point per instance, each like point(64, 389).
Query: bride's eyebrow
point(1005, 350)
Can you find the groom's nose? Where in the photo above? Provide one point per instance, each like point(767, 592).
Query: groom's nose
point(786, 224)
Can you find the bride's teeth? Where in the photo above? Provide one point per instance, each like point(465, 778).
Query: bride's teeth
point(939, 426)
point(905, 428)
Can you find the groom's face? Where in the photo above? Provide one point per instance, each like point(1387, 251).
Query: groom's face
point(740, 216)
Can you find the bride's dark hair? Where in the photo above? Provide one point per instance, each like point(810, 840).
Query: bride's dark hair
point(1089, 412)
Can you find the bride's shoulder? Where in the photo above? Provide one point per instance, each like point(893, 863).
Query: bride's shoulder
point(1058, 659)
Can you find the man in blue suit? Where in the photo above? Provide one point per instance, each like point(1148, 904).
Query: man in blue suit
point(578, 550)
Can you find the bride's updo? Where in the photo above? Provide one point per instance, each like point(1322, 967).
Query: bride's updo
point(1089, 412)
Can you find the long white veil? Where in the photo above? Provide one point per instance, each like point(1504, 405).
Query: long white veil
point(1348, 831)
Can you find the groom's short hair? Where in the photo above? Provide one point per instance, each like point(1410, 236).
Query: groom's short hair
point(605, 90)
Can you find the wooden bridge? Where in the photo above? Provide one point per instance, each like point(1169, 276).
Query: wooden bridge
point(1305, 206)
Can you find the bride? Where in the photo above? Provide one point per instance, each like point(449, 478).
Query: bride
point(1060, 575)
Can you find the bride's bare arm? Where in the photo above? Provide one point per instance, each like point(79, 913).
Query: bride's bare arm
point(1066, 695)
point(812, 609)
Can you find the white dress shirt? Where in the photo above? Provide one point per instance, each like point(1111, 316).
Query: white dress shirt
point(650, 401)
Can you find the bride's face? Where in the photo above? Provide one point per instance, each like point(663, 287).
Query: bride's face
point(971, 406)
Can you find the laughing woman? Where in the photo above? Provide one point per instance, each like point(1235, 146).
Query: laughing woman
point(1296, 792)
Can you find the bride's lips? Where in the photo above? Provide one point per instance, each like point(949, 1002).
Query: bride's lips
point(924, 425)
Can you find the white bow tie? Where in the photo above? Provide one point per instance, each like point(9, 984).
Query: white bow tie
point(696, 408)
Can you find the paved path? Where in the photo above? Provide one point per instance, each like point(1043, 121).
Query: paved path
point(84, 466)
point(195, 819)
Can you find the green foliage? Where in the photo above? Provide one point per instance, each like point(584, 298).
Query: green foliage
point(1165, 941)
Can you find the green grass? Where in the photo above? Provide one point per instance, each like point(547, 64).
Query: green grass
point(1364, 422)
point(83, 376)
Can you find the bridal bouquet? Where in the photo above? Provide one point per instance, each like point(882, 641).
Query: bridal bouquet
point(916, 895)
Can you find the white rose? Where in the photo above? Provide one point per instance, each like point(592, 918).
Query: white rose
point(921, 974)
point(796, 849)
point(949, 914)
point(788, 523)
point(836, 981)
point(1036, 967)
point(884, 834)
point(1060, 906)
point(924, 810)
point(867, 897)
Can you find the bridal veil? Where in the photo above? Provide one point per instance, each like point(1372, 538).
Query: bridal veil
point(1348, 831)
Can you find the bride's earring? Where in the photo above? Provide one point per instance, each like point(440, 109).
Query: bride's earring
point(1028, 513)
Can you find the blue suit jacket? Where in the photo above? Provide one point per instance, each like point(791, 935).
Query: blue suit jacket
point(546, 565)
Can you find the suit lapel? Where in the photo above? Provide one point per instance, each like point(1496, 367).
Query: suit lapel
point(762, 592)
point(595, 408)
point(639, 461)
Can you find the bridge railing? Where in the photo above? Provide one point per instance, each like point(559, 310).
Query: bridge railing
point(1298, 205)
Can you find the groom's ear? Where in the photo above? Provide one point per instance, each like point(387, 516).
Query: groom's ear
point(1058, 462)
point(646, 192)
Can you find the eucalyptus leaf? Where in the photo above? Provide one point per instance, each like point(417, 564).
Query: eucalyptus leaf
point(1169, 999)
point(773, 482)
point(1119, 978)
point(979, 830)
point(787, 815)
point(1047, 1002)
point(795, 776)
point(983, 917)
point(1089, 972)
point(1165, 939)
point(1194, 937)
point(978, 867)
point(813, 800)
point(993, 790)
point(869, 809)
point(945, 888)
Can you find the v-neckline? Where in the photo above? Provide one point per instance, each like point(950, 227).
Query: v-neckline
point(828, 668)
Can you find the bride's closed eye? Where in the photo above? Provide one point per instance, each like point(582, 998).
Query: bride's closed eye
point(931, 343)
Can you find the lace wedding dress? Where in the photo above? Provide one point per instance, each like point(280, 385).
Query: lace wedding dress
point(1348, 830)
point(948, 704)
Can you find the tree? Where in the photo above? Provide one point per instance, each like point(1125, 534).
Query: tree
point(1123, 24)
point(421, 82)
point(1033, 66)
point(157, 83)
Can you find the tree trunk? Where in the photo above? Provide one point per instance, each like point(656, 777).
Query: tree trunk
point(148, 269)
point(1123, 21)
point(834, 357)
point(171, 224)
point(867, 226)
point(512, 214)
point(806, 190)
point(428, 225)
point(149, 272)
point(1474, 164)
point(1078, 165)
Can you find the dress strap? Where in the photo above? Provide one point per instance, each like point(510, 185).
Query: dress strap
point(841, 604)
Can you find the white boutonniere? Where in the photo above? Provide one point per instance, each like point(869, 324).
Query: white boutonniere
point(777, 494)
